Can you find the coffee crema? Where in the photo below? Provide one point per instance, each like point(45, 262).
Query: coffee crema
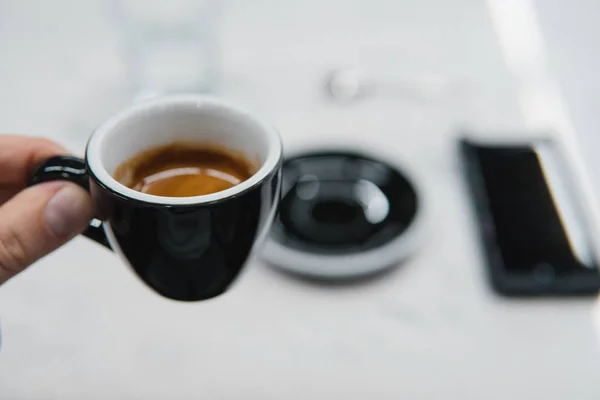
point(184, 170)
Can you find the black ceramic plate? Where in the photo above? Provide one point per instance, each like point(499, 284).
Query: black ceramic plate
point(343, 214)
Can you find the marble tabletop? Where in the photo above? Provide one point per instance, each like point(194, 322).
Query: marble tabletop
point(80, 325)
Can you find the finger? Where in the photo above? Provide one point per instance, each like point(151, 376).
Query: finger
point(8, 191)
point(38, 220)
point(21, 155)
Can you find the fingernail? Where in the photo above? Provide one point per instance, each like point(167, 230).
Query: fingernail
point(69, 211)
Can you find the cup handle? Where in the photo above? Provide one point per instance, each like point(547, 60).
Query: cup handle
point(72, 169)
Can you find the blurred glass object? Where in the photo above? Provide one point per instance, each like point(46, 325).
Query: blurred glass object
point(171, 46)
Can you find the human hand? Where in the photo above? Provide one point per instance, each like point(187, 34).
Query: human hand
point(35, 220)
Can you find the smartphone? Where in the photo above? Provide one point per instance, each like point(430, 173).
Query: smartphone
point(532, 224)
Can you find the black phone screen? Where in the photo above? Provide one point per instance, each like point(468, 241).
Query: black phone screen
point(531, 222)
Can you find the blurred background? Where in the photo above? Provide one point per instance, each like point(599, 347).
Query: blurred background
point(403, 78)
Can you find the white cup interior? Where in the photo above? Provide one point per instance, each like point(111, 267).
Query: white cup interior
point(183, 118)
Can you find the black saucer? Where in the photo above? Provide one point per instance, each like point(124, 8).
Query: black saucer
point(342, 215)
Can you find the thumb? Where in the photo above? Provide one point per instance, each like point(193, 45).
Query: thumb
point(38, 220)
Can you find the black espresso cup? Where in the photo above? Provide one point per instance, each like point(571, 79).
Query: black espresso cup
point(185, 248)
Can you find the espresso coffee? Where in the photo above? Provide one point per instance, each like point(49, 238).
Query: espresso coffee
point(184, 169)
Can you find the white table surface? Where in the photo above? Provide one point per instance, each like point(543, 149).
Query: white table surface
point(79, 325)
